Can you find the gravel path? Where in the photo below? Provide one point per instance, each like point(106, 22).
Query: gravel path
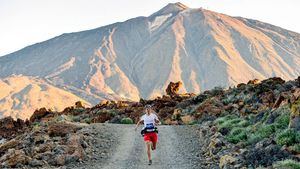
point(177, 148)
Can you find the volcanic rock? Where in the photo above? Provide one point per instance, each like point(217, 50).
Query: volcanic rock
point(173, 88)
point(62, 129)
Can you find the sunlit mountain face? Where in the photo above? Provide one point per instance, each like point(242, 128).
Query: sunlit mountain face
point(139, 57)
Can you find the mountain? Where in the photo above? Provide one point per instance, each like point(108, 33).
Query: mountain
point(139, 57)
point(21, 95)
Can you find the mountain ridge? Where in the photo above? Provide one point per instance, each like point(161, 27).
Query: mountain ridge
point(138, 58)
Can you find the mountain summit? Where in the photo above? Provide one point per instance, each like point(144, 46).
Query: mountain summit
point(139, 57)
point(172, 8)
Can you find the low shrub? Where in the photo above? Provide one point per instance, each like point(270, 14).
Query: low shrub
point(266, 115)
point(296, 148)
point(253, 139)
point(217, 91)
point(237, 135)
point(87, 120)
point(127, 120)
point(79, 110)
point(243, 123)
point(282, 121)
point(234, 127)
point(288, 137)
point(265, 130)
point(76, 118)
point(226, 125)
point(113, 112)
point(36, 124)
point(287, 164)
point(227, 118)
point(235, 121)
point(220, 120)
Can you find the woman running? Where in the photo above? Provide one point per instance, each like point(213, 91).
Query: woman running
point(149, 131)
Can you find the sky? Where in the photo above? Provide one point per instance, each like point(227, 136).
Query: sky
point(26, 22)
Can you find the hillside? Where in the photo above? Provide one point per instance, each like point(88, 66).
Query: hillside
point(139, 57)
point(20, 96)
point(251, 125)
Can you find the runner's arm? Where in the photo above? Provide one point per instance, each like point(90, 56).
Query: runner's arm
point(137, 124)
point(157, 121)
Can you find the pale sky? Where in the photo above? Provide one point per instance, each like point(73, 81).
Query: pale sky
point(25, 22)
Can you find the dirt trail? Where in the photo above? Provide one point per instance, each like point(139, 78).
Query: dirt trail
point(177, 149)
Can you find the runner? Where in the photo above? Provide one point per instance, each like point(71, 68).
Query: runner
point(149, 130)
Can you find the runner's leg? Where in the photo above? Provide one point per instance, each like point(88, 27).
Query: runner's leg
point(148, 145)
point(154, 141)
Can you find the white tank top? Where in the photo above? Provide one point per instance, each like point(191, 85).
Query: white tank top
point(149, 120)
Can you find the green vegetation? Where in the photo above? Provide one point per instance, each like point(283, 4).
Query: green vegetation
point(236, 127)
point(79, 110)
point(217, 90)
point(228, 121)
point(110, 112)
point(247, 130)
point(87, 120)
point(237, 134)
point(296, 148)
point(36, 126)
point(288, 137)
point(265, 131)
point(76, 118)
point(282, 121)
point(127, 120)
point(253, 139)
point(287, 164)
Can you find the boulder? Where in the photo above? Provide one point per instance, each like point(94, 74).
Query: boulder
point(166, 112)
point(295, 115)
point(278, 102)
point(9, 127)
point(296, 93)
point(60, 160)
point(36, 163)
point(46, 156)
point(187, 119)
point(74, 146)
point(241, 85)
point(226, 161)
point(79, 105)
point(39, 114)
point(273, 81)
point(8, 145)
point(264, 154)
point(14, 157)
point(208, 107)
point(173, 88)
point(254, 82)
point(268, 98)
point(102, 117)
point(176, 114)
point(61, 129)
point(122, 104)
point(298, 81)
point(45, 147)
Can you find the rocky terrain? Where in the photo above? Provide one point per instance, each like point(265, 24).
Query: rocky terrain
point(248, 126)
point(138, 58)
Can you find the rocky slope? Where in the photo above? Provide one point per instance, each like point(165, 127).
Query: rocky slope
point(139, 57)
point(248, 126)
point(21, 95)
